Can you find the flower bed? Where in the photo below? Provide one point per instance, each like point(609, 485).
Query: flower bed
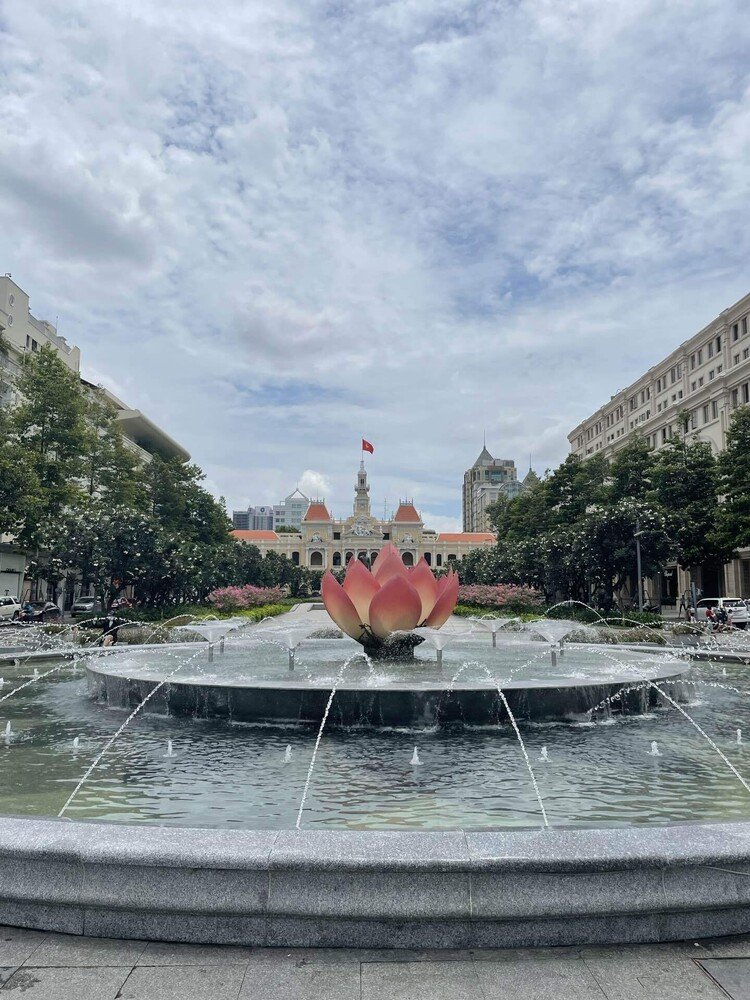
point(242, 598)
point(504, 595)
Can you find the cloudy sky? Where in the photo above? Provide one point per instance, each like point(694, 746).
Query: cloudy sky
point(279, 226)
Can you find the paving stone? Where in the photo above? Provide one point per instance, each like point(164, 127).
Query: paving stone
point(165, 953)
point(5, 974)
point(729, 947)
point(282, 979)
point(421, 981)
point(194, 982)
point(563, 979)
point(339, 956)
point(652, 974)
point(72, 950)
point(17, 944)
point(29, 983)
point(732, 974)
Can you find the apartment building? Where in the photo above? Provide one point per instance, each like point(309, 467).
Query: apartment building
point(707, 377)
point(24, 335)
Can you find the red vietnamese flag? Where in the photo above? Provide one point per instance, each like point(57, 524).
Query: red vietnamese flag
point(366, 446)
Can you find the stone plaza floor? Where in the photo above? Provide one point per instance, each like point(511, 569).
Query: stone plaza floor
point(38, 966)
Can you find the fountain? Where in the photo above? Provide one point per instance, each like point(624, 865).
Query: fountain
point(419, 779)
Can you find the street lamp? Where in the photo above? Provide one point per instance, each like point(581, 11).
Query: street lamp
point(637, 537)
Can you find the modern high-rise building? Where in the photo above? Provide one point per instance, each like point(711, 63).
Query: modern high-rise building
point(290, 513)
point(484, 483)
point(706, 378)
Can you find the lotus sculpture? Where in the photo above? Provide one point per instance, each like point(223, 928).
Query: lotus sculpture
point(376, 607)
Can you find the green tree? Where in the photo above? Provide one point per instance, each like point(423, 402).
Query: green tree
point(49, 425)
point(111, 470)
point(575, 486)
point(604, 546)
point(18, 482)
point(734, 483)
point(686, 488)
point(630, 471)
point(181, 505)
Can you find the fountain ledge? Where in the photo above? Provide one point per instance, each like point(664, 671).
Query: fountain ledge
point(376, 889)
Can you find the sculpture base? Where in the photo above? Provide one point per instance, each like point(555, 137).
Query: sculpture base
point(399, 648)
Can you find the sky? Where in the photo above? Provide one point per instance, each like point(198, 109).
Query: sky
point(279, 227)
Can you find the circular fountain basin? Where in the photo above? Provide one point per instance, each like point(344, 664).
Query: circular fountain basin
point(253, 682)
point(200, 844)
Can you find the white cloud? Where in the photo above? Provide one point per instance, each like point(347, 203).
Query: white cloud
point(279, 227)
point(440, 522)
point(314, 484)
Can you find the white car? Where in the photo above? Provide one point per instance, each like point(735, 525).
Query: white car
point(734, 607)
point(10, 607)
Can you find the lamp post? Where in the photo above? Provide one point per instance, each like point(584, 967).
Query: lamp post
point(637, 536)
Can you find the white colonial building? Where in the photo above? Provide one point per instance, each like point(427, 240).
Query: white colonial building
point(324, 543)
point(707, 377)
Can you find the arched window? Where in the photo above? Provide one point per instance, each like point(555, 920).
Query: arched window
point(295, 558)
point(316, 559)
point(428, 558)
point(408, 558)
point(336, 558)
point(452, 558)
point(439, 559)
point(349, 555)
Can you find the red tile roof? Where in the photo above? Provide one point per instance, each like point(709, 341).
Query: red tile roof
point(255, 536)
point(466, 536)
point(407, 512)
point(317, 512)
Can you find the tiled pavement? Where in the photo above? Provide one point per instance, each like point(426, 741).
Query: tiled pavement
point(40, 966)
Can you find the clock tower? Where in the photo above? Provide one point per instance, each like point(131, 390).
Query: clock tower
point(362, 493)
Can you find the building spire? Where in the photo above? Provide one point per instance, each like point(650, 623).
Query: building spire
point(362, 492)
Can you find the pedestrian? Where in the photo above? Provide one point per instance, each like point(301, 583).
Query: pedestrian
point(683, 605)
point(711, 619)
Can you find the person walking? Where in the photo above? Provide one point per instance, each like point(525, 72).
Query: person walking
point(683, 605)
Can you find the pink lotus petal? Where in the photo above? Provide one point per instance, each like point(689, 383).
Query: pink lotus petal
point(445, 603)
point(392, 565)
point(380, 558)
point(426, 586)
point(396, 607)
point(361, 586)
point(340, 607)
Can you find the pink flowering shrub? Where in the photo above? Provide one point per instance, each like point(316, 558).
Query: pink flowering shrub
point(241, 598)
point(501, 595)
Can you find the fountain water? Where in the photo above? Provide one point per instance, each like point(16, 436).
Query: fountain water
point(415, 761)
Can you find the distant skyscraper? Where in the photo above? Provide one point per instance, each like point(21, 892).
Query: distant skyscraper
point(287, 514)
point(484, 483)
